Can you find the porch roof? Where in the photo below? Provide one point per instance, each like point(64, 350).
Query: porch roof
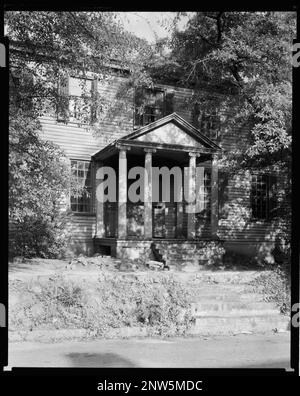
point(171, 133)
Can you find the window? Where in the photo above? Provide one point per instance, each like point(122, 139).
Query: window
point(263, 201)
point(80, 96)
point(204, 195)
point(151, 105)
point(207, 120)
point(82, 203)
point(77, 99)
point(209, 123)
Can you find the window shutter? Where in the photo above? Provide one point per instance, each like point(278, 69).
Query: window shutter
point(273, 199)
point(200, 190)
point(169, 103)
point(138, 102)
point(196, 115)
point(223, 180)
point(94, 104)
point(63, 98)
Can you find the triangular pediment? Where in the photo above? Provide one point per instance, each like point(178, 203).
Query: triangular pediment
point(172, 130)
point(169, 133)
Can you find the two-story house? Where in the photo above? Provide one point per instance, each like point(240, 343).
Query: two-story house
point(155, 128)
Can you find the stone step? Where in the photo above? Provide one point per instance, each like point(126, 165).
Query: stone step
point(236, 312)
point(181, 252)
point(174, 249)
point(180, 257)
point(234, 307)
point(228, 297)
point(215, 325)
point(240, 277)
point(218, 287)
point(180, 261)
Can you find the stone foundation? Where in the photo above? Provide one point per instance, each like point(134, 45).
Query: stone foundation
point(133, 250)
point(197, 254)
point(174, 253)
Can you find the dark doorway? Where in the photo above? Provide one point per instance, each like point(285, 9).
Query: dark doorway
point(159, 220)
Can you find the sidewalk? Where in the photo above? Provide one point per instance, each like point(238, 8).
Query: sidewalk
point(240, 351)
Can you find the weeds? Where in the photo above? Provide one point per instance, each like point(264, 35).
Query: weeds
point(157, 302)
point(275, 285)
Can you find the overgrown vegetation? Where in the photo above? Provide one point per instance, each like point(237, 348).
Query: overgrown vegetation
point(39, 177)
point(159, 303)
point(43, 46)
point(276, 287)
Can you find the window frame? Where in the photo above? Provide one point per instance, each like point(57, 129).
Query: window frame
point(200, 112)
point(91, 198)
point(144, 114)
point(212, 117)
point(267, 196)
point(63, 111)
point(84, 97)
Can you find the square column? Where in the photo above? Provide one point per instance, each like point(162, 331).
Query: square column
point(214, 196)
point(100, 230)
point(148, 193)
point(180, 210)
point(191, 226)
point(122, 201)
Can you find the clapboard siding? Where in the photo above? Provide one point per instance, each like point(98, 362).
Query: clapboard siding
point(82, 228)
point(76, 142)
point(116, 121)
point(235, 222)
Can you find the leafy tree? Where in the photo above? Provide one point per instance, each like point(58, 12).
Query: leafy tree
point(38, 178)
point(42, 46)
point(247, 57)
point(246, 53)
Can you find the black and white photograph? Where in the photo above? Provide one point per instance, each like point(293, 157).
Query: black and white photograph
point(150, 185)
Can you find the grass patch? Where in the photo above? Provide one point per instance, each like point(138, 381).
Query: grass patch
point(157, 302)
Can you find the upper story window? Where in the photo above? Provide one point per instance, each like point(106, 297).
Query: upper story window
point(82, 202)
point(151, 105)
point(263, 199)
point(76, 102)
point(80, 96)
point(207, 120)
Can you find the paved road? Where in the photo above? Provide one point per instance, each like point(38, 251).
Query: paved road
point(242, 351)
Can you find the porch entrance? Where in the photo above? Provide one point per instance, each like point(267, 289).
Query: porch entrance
point(159, 220)
point(169, 144)
point(164, 221)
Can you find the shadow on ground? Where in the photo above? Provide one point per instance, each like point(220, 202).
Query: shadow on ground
point(99, 360)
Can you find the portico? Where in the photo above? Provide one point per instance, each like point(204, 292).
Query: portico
point(189, 213)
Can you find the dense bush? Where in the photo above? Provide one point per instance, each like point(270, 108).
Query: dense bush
point(275, 285)
point(39, 236)
point(39, 180)
point(158, 302)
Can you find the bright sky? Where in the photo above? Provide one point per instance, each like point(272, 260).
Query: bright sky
point(149, 25)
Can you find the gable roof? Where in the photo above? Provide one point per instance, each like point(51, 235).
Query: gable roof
point(181, 124)
point(171, 133)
